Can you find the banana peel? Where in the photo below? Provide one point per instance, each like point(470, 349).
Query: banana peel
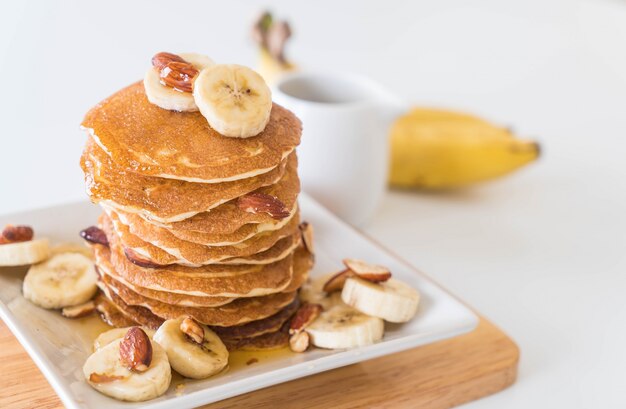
point(440, 149)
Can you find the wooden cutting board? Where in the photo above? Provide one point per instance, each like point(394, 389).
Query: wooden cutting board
point(440, 375)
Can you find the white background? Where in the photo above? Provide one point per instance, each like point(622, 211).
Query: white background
point(541, 253)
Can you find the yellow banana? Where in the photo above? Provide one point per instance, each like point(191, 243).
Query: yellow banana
point(438, 149)
point(271, 37)
point(270, 68)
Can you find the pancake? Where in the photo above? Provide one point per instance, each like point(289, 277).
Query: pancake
point(110, 313)
point(228, 217)
point(164, 200)
point(272, 340)
point(244, 233)
point(146, 139)
point(113, 315)
point(163, 248)
point(140, 315)
point(214, 280)
point(303, 261)
point(240, 311)
point(260, 327)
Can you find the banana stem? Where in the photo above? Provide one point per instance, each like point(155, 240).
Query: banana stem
point(271, 36)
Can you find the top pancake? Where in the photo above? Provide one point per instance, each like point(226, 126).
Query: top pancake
point(143, 138)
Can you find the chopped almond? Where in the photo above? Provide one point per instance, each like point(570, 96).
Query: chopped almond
point(370, 272)
point(336, 282)
point(299, 342)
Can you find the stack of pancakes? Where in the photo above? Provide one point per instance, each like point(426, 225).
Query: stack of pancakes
point(196, 223)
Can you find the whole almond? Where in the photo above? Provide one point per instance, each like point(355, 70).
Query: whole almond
point(141, 261)
point(136, 350)
point(94, 234)
point(174, 71)
point(16, 234)
point(306, 314)
point(179, 75)
point(160, 60)
point(263, 203)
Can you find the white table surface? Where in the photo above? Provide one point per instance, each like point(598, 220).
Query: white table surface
point(541, 253)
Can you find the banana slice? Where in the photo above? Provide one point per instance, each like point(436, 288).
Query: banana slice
point(24, 253)
point(392, 300)
point(72, 248)
point(109, 336)
point(113, 379)
point(344, 327)
point(64, 280)
point(187, 357)
point(235, 100)
point(169, 98)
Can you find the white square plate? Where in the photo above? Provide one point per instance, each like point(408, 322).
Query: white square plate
point(60, 346)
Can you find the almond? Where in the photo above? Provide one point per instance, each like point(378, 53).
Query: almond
point(263, 203)
point(174, 71)
point(79, 311)
point(136, 350)
point(336, 282)
point(94, 234)
point(160, 60)
point(103, 378)
point(307, 236)
point(306, 314)
point(193, 330)
point(299, 342)
point(367, 271)
point(141, 261)
point(16, 234)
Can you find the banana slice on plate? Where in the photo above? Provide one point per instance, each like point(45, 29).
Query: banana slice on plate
point(64, 280)
point(167, 97)
point(234, 99)
point(24, 252)
point(391, 300)
point(109, 336)
point(339, 325)
point(72, 248)
point(129, 370)
point(194, 351)
point(342, 326)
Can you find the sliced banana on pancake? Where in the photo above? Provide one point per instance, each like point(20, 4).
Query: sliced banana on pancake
point(167, 97)
point(24, 253)
point(193, 350)
point(234, 99)
point(132, 368)
point(342, 326)
point(65, 279)
point(391, 300)
point(109, 336)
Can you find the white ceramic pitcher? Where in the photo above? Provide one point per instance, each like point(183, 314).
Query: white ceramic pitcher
point(344, 155)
